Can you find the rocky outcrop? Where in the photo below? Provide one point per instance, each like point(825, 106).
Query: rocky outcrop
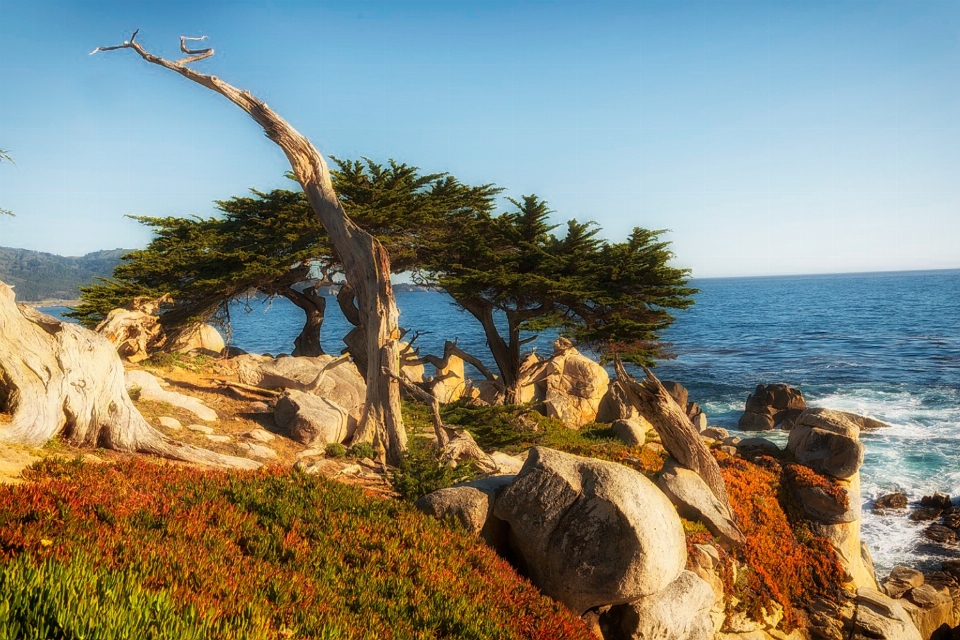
point(450, 380)
point(771, 405)
point(202, 337)
point(632, 433)
point(695, 501)
point(616, 405)
point(879, 617)
point(135, 330)
point(932, 600)
point(573, 385)
point(891, 501)
point(312, 420)
point(342, 384)
point(828, 442)
point(681, 611)
point(410, 363)
point(471, 505)
point(677, 391)
point(590, 532)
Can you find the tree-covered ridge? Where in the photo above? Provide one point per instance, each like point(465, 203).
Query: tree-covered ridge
point(40, 276)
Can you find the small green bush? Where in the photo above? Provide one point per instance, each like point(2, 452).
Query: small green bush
point(361, 450)
point(421, 471)
point(335, 450)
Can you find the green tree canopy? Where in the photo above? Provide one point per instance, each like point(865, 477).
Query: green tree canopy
point(611, 296)
point(272, 243)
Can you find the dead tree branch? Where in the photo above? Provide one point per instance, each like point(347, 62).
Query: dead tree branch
point(677, 433)
point(365, 262)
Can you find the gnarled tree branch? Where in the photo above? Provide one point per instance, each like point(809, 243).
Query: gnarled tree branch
point(365, 261)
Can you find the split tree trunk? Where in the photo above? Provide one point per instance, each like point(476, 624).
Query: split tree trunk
point(365, 261)
point(505, 353)
point(678, 435)
point(356, 338)
point(59, 379)
point(314, 305)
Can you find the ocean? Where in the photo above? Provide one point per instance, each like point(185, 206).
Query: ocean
point(886, 345)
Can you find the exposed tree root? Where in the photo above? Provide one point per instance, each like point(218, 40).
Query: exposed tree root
point(59, 379)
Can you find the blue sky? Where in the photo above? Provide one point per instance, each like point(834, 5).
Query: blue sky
point(769, 137)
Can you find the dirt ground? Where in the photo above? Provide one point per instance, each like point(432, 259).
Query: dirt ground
point(239, 413)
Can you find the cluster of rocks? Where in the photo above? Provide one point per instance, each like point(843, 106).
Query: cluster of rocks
point(597, 536)
point(937, 509)
point(135, 330)
point(779, 405)
point(317, 416)
point(910, 605)
point(932, 599)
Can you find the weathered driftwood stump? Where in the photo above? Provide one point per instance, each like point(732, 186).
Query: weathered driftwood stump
point(59, 379)
point(678, 435)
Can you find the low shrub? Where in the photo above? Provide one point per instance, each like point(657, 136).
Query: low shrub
point(783, 560)
point(335, 450)
point(361, 450)
point(514, 429)
point(143, 550)
point(421, 471)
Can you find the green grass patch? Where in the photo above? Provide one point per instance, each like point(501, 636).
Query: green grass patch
point(143, 550)
point(514, 429)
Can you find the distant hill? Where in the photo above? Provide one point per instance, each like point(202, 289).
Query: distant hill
point(38, 276)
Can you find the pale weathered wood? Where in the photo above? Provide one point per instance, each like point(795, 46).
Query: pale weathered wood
point(59, 379)
point(365, 262)
point(443, 432)
point(451, 349)
point(247, 387)
point(677, 434)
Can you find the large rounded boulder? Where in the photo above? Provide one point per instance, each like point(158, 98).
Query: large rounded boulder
point(591, 532)
point(771, 405)
point(828, 442)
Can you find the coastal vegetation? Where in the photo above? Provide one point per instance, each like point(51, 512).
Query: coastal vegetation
point(153, 550)
point(648, 524)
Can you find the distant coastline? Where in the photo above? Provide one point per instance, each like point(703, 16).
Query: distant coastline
point(36, 304)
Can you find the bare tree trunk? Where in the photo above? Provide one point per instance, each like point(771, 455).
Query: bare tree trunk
point(314, 305)
point(505, 354)
point(365, 261)
point(58, 378)
point(356, 338)
point(678, 435)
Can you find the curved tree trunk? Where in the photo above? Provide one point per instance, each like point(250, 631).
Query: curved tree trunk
point(356, 338)
point(314, 305)
point(365, 261)
point(58, 378)
point(505, 354)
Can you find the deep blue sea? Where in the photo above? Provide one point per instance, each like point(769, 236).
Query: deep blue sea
point(885, 345)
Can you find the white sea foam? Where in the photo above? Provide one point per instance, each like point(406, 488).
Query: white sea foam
point(918, 455)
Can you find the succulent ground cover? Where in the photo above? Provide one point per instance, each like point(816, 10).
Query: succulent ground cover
point(781, 561)
point(138, 549)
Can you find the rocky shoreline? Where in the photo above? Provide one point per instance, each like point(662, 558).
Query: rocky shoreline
point(667, 552)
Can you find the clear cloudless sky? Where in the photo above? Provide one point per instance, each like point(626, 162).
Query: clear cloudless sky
point(770, 137)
